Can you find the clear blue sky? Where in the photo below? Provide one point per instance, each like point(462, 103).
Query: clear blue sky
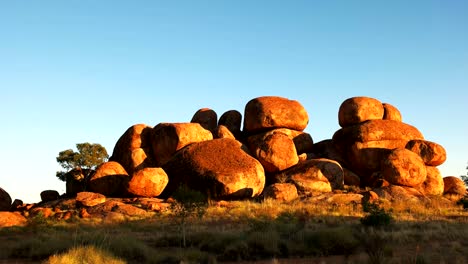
point(84, 71)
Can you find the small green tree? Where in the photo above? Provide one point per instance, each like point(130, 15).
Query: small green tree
point(89, 156)
point(465, 178)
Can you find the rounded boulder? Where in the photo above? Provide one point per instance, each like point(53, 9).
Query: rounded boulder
point(148, 182)
point(207, 118)
point(434, 183)
point(5, 200)
point(391, 113)
point(403, 167)
point(454, 185)
point(231, 119)
point(219, 168)
point(270, 112)
point(110, 179)
point(356, 110)
point(432, 153)
point(281, 191)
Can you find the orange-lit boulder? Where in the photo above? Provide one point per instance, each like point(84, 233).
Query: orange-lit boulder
point(404, 167)
point(356, 110)
point(454, 185)
point(281, 191)
point(432, 153)
point(110, 179)
point(434, 183)
point(391, 113)
point(270, 112)
point(148, 182)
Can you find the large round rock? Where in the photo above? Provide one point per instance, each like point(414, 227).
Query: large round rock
point(276, 151)
point(170, 137)
point(133, 149)
point(434, 183)
point(148, 182)
point(391, 112)
point(269, 112)
point(110, 179)
point(219, 168)
point(404, 167)
point(454, 185)
point(359, 109)
point(302, 140)
point(432, 153)
point(281, 191)
point(5, 200)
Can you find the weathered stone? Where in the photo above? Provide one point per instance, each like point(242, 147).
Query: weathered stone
point(171, 137)
point(359, 109)
point(49, 195)
point(207, 118)
point(275, 151)
point(5, 200)
point(434, 183)
point(133, 149)
point(231, 119)
point(369, 197)
point(404, 167)
point(219, 168)
point(344, 198)
point(281, 191)
point(45, 212)
point(89, 199)
point(302, 140)
point(110, 179)
point(376, 130)
point(391, 112)
point(223, 132)
point(9, 219)
point(17, 205)
point(306, 176)
point(432, 153)
point(317, 170)
point(327, 149)
point(148, 182)
point(269, 112)
point(454, 185)
point(76, 180)
point(351, 178)
point(399, 193)
point(112, 206)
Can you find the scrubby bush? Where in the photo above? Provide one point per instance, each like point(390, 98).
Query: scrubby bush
point(376, 215)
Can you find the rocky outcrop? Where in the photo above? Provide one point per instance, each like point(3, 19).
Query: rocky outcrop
point(171, 137)
point(8, 219)
point(432, 153)
point(269, 112)
point(89, 199)
point(220, 168)
point(5, 200)
point(223, 132)
point(281, 191)
point(110, 179)
point(303, 142)
point(147, 182)
point(207, 118)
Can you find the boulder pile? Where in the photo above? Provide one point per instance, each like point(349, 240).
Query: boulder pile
point(270, 155)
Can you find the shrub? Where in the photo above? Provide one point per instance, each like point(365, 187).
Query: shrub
point(376, 215)
point(84, 254)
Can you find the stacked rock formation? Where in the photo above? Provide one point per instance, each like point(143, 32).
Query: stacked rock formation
point(385, 152)
point(272, 152)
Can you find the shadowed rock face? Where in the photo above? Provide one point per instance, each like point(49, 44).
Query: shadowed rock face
point(207, 118)
point(232, 120)
point(356, 110)
point(432, 153)
point(171, 137)
point(302, 141)
point(454, 185)
point(5, 200)
point(110, 179)
point(270, 112)
point(219, 168)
